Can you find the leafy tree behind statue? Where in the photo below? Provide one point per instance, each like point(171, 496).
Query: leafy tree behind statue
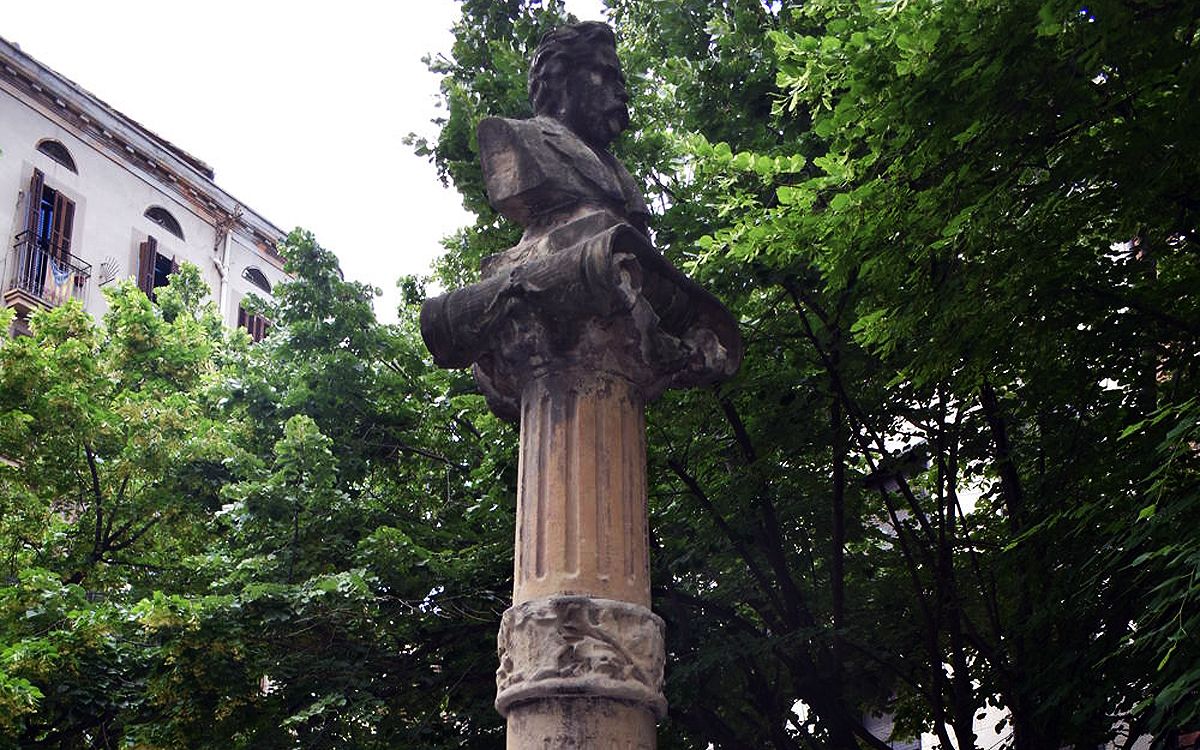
point(209, 544)
point(364, 560)
point(968, 230)
point(960, 283)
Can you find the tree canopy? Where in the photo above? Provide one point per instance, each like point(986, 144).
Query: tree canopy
point(956, 476)
point(299, 543)
point(961, 239)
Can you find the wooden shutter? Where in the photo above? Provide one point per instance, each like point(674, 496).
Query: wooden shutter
point(147, 254)
point(256, 325)
point(33, 203)
point(60, 233)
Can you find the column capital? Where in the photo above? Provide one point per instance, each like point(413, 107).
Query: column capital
point(592, 295)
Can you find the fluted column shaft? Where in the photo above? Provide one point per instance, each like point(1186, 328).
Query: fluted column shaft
point(581, 497)
point(573, 330)
point(581, 652)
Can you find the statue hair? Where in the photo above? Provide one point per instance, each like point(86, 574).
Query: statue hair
point(559, 52)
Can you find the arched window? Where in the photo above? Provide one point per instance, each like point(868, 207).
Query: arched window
point(257, 278)
point(164, 219)
point(58, 153)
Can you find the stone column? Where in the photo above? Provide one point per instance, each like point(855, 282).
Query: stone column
point(581, 497)
point(581, 654)
point(574, 340)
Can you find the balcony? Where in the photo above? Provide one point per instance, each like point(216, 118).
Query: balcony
point(43, 276)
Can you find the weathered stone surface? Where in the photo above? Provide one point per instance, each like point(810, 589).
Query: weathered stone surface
point(609, 302)
point(573, 331)
point(584, 288)
point(576, 646)
point(581, 490)
point(580, 724)
point(535, 169)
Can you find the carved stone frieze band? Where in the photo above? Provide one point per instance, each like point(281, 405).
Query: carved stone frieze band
point(577, 646)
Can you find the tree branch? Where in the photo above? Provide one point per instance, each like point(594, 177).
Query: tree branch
point(743, 551)
point(796, 612)
point(98, 493)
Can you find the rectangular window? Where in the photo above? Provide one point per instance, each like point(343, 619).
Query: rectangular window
point(45, 267)
point(153, 267)
point(256, 325)
point(56, 215)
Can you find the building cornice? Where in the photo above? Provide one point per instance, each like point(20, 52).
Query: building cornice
point(179, 172)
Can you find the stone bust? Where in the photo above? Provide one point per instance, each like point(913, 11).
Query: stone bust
point(549, 170)
point(584, 289)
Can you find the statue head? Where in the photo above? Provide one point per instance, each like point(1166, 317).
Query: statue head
point(576, 78)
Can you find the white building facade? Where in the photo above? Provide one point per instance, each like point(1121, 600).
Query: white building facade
point(89, 197)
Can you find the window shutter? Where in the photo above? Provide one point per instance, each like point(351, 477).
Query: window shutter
point(175, 265)
point(147, 252)
point(33, 202)
point(64, 218)
point(255, 325)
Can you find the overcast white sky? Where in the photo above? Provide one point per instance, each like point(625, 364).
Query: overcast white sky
point(300, 107)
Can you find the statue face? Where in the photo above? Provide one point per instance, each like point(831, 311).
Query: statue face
point(596, 101)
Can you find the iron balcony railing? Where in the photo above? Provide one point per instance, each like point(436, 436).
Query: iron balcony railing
point(47, 273)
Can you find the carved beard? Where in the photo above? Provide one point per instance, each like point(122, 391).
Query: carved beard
point(598, 127)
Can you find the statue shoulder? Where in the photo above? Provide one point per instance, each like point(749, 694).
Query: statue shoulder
point(516, 167)
point(538, 165)
point(502, 132)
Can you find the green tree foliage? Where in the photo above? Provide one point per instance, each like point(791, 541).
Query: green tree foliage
point(300, 543)
point(361, 562)
point(114, 456)
point(957, 468)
